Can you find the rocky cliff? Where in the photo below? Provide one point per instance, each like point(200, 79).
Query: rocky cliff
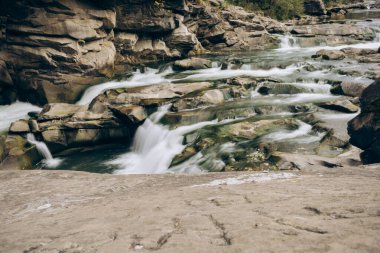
point(52, 50)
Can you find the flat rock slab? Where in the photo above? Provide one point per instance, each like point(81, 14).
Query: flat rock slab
point(324, 210)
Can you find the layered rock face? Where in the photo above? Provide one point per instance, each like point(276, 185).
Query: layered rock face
point(53, 50)
point(365, 128)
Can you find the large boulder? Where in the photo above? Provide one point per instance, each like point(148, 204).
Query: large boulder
point(364, 129)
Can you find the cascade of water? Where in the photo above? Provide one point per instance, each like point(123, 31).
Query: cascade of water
point(300, 135)
point(13, 112)
point(154, 146)
point(44, 151)
point(288, 42)
point(149, 77)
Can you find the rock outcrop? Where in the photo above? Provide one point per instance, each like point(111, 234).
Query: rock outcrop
point(365, 128)
point(51, 51)
point(54, 50)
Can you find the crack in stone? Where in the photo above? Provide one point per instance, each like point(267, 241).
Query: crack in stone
point(223, 232)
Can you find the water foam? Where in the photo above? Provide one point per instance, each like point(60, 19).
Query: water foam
point(13, 112)
point(154, 146)
point(149, 77)
point(49, 160)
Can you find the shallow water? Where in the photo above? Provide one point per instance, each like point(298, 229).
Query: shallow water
point(295, 83)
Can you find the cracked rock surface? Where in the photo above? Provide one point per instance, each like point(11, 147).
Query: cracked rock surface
point(315, 210)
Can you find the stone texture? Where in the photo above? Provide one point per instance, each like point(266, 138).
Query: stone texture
point(364, 129)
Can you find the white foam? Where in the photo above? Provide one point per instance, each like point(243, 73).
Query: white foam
point(49, 161)
point(218, 73)
point(249, 178)
point(154, 146)
point(13, 112)
point(151, 76)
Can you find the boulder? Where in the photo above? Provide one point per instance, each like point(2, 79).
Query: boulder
point(20, 126)
point(340, 105)
point(330, 54)
point(353, 89)
point(17, 153)
point(315, 7)
point(192, 64)
point(364, 129)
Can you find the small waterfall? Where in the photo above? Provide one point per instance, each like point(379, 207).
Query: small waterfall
point(300, 135)
point(288, 42)
point(154, 146)
point(13, 112)
point(44, 151)
point(149, 77)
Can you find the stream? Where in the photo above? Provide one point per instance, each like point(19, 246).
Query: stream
point(289, 78)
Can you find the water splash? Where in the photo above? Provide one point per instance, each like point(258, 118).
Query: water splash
point(13, 112)
point(218, 73)
point(154, 146)
point(49, 161)
point(300, 135)
point(149, 77)
point(288, 42)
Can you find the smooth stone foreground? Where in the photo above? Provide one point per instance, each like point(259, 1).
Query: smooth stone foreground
point(315, 210)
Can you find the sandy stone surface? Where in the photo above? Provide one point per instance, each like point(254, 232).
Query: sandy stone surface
point(324, 210)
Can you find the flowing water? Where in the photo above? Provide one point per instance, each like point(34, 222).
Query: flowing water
point(13, 112)
point(49, 161)
point(293, 84)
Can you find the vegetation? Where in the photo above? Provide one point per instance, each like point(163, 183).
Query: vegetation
point(280, 9)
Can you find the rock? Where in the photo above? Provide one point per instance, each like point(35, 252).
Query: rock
point(364, 129)
point(192, 64)
point(340, 106)
point(132, 113)
point(212, 97)
point(56, 60)
point(315, 7)
point(18, 154)
point(334, 31)
point(58, 111)
point(125, 41)
point(20, 126)
point(144, 18)
point(330, 54)
point(182, 40)
point(353, 89)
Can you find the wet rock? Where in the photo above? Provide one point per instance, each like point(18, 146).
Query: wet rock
point(18, 154)
point(364, 129)
point(353, 89)
point(315, 7)
point(330, 54)
point(20, 126)
point(192, 64)
point(331, 145)
point(132, 113)
point(58, 111)
point(340, 106)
